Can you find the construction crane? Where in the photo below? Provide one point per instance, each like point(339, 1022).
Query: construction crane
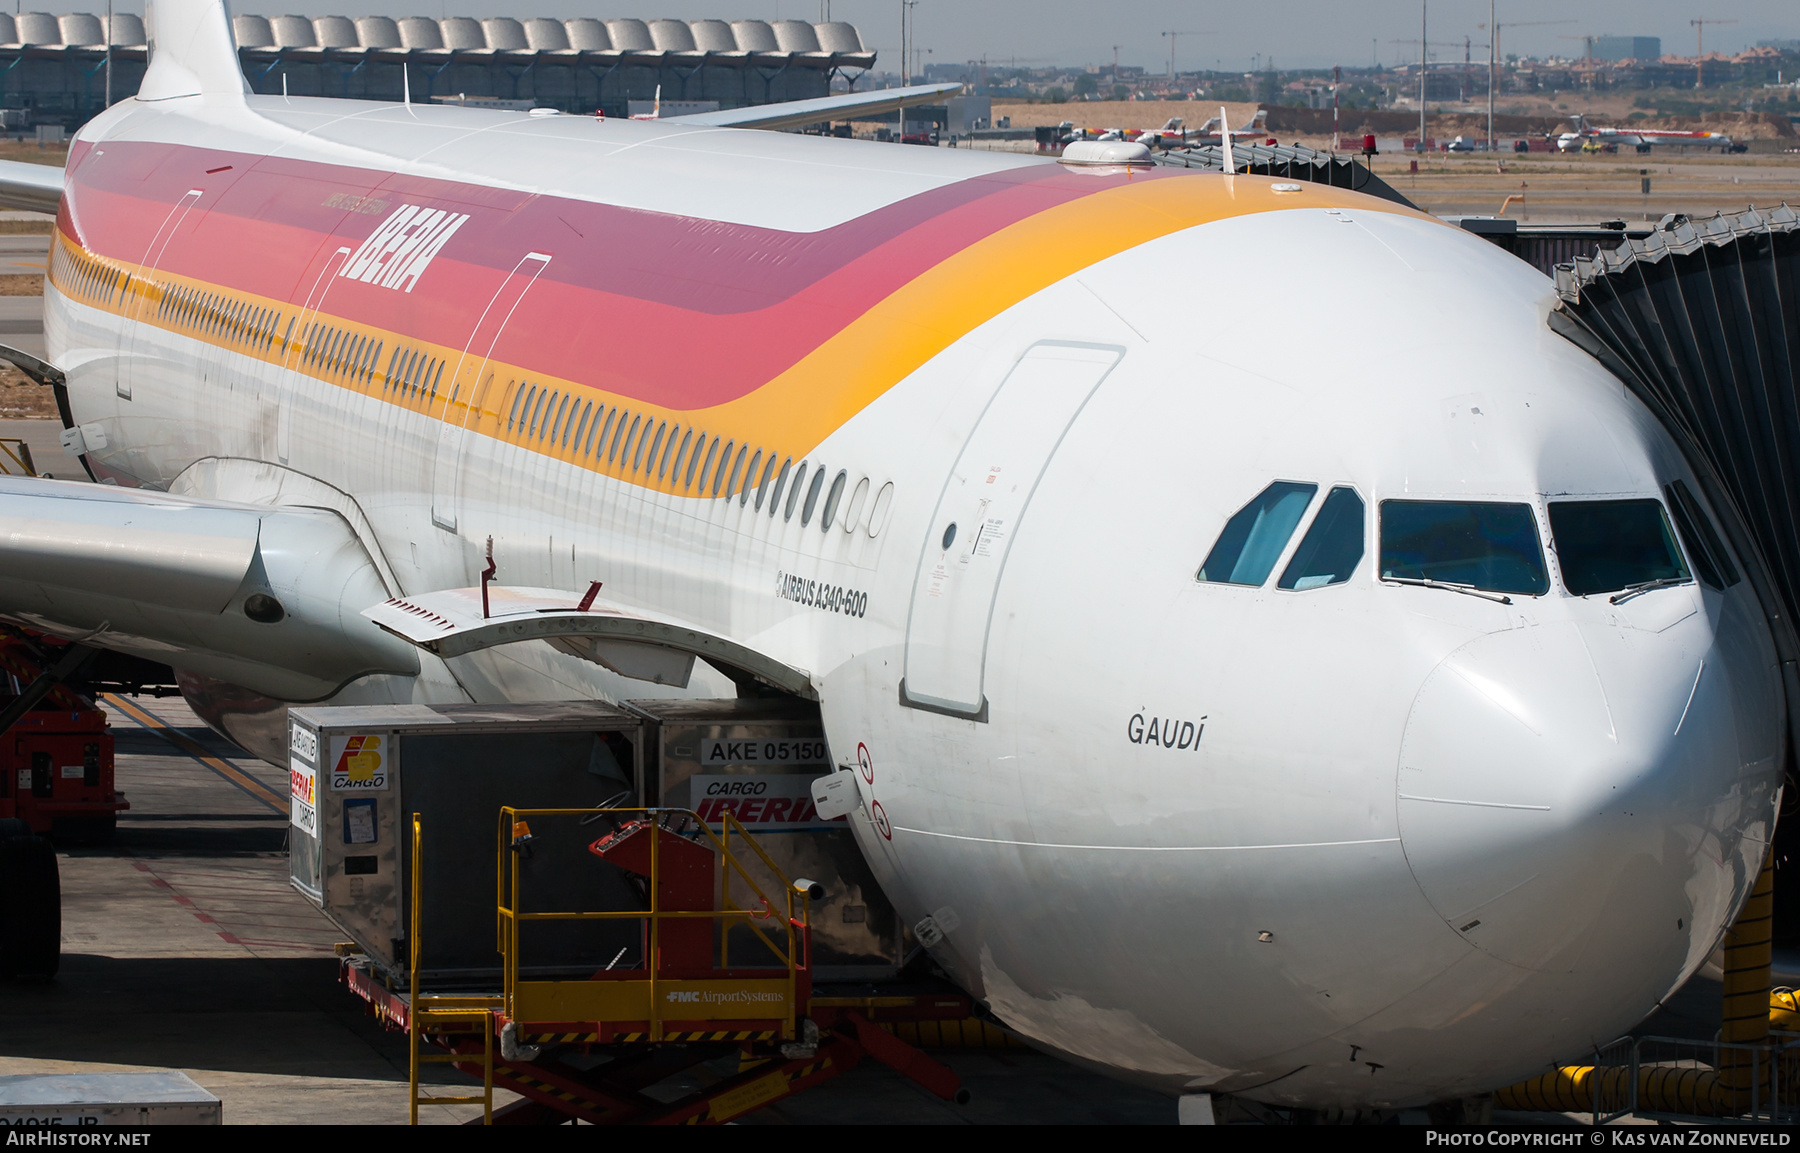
point(1494, 55)
point(1466, 45)
point(1699, 64)
point(1434, 43)
point(1173, 35)
point(1424, 46)
point(1588, 40)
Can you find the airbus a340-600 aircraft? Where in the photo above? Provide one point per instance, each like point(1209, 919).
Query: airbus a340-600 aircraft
point(1326, 728)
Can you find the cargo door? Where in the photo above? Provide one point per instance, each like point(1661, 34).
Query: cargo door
point(468, 384)
point(977, 516)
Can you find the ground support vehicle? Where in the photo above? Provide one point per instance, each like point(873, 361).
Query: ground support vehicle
point(715, 1014)
point(56, 753)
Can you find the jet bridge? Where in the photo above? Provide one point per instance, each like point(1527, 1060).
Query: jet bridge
point(1701, 319)
point(1289, 162)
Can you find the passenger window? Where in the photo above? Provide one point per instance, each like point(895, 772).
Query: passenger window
point(656, 443)
point(832, 498)
point(605, 431)
point(632, 438)
point(719, 473)
point(712, 451)
point(1488, 546)
point(780, 483)
point(812, 496)
point(612, 449)
point(1331, 548)
point(737, 467)
point(787, 513)
point(750, 481)
point(580, 427)
point(762, 486)
point(1707, 552)
point(693, 463)
point(1254, 537)
point(1603, 546)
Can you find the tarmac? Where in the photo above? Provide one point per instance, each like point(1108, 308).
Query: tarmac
point(185, 948)
point(1582, 189)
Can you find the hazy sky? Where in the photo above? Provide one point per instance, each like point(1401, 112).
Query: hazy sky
point(1297, 33)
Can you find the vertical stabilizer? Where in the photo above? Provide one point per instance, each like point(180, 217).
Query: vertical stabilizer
point(192, 51)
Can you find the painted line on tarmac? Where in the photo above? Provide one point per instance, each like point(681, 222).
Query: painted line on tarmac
point(185, 902)
point(149, 720)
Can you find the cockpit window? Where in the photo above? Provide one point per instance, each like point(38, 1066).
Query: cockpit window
point(1711, 562)
point(1331, 548)
point(1254, 538)
point(1489, 546)
point(1603, 546)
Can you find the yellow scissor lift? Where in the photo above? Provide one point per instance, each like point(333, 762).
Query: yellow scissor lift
point(586, 1048)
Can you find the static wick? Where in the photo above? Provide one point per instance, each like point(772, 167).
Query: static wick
point(486, 576)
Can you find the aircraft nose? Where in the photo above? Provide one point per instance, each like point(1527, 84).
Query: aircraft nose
point(1571, 801)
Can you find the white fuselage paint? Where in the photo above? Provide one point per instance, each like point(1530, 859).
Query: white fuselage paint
point(1275, 899)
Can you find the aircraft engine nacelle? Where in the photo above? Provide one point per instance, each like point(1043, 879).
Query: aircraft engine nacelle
point(268, 599)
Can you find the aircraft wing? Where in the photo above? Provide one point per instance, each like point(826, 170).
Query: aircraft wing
point(634, 643)
point(796, 113)
point(263, 597)
point(31, 187)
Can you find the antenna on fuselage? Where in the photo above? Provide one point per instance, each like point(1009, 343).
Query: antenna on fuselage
point(405, 85)
point(1224, 139)
point(284, 84)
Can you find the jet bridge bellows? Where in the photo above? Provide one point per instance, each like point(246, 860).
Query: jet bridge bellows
point(1290, 162)
point(1701, 319)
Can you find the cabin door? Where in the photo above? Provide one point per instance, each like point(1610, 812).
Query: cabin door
point(466, 385)
point(138, 307)
point(979, 514)
point(292, 373)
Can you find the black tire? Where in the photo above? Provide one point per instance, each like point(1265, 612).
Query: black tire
point(84, 830)
point(30, 909)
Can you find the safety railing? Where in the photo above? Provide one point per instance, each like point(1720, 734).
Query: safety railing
point(791, 947)
point(425, 1010)
point(1675, 1078)
point(15, 457)
point(1681, 1079)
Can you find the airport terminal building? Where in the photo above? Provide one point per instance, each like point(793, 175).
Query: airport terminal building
point(54, 69)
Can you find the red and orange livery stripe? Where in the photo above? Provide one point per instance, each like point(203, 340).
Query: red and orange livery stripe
point(773, 338)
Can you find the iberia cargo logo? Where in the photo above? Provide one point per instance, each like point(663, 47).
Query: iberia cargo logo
point(303, 811)
point(359, 766)
point(771, 802)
